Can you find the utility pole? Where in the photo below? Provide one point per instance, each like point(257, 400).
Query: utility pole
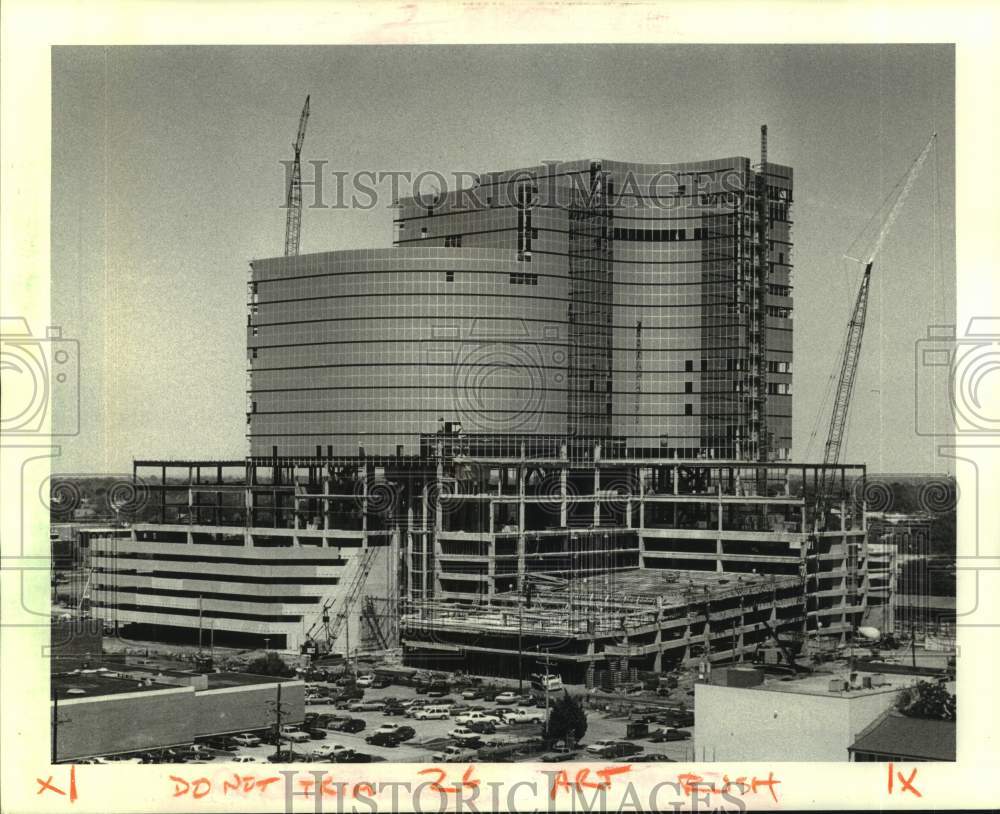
point(278, 710)
point(520, 648)
point(199, 624)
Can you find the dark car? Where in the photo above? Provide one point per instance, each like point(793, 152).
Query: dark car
point(665, 735)
point(438, 690)
point(270, 738)
point(620, 749)
point(346, 724)
point(677, 717)
point(404, 733)
point(394, 710)
point(311, 719)
point(222, 744)
point(283, 757)
point(482, 727)
point(558, 757)
point(380, 683)
point(650, 758)
point(314, 733)
point(389, 739)
point(357, 757)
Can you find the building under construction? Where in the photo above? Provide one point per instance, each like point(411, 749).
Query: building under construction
point(661, 560)
point(553, 418)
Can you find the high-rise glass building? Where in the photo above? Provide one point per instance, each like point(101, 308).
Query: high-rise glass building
point(646, 304)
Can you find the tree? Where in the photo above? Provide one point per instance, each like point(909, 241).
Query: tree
point(567, 719)
point(927, 700)
point(269, 665)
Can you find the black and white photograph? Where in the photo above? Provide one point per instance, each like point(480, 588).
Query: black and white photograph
point(411, 407)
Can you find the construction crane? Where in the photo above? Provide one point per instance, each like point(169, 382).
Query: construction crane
point(855, 332)
point(293, 222)
point(856, 325)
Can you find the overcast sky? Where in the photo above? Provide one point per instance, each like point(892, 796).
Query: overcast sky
point(167, 181)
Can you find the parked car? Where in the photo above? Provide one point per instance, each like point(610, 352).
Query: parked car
point(315, 733)
point(438, 690)
point(508, 697)
point(394, 710)
point(649, 758)
point(669, 734)
point(383, 739)
point(521, 715)
point(357, 757)
point(290, 733)
point(365, 706)
point(431, 712)
point(245, 759)
point(270, 738)
point(347, 725)
point(620, 749)
point(332, 750)
point(453, 754)
point(380, 683)
point(284, 756)
point(365, 680)
point(472, 694)
point(404, 733)
point(464, 735)
point(477, 715)
point(558, 757)
point(482, 727)
point(223, 744)
point(596, 747)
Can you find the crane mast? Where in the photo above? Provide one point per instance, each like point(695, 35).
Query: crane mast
point(293, 221)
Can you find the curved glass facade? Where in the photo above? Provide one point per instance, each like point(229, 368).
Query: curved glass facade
point(372, 348)
point(594, 299)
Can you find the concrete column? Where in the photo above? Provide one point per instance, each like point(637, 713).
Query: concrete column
point(364, 508)
point(597, 487)
point(718, 540)
point(326, 502)
point(563, 483)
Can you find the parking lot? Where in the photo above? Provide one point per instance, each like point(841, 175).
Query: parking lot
point(432, 735)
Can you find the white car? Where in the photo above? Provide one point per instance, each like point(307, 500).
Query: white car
point(461, 734)
point(476, 715)
point(333, 750)
point(599, 746)
point(521, 715)
point(365, 680)
point(507, 698)
point(246, 739)
point(431, 712)
point(294, 735)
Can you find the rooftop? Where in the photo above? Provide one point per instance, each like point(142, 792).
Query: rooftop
point(818, 683)
point(69, 686)
point(914, 738)
point(218, 681)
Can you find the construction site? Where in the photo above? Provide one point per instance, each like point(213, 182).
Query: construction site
point(617, 503)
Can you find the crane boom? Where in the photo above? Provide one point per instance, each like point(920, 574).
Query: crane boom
point(848, 370)
point(293, 221)
point(856, 326)
point(891, 217)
